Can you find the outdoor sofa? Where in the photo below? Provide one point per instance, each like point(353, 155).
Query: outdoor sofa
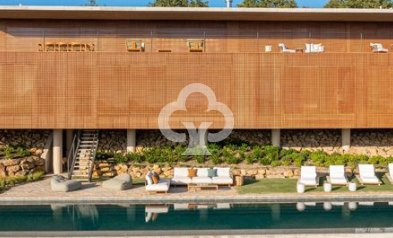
point(222, 176)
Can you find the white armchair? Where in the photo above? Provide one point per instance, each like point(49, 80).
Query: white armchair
point(378, 48)
point(314, 48)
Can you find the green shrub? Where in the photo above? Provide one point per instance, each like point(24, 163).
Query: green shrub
point(276, 163)
point(119, 158)
point(298, 159)
point(270, 154)
point(216, 159)
point(8, 152)
point(2, 184)
point(318, 158)
point(37, 175)
point(21, 152)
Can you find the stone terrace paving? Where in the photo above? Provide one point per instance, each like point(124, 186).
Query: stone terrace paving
point(40, 192)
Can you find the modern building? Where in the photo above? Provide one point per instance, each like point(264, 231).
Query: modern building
point(68, 68)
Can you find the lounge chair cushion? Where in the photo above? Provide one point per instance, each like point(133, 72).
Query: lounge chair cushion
point(342, 180)
point(337, 171)
point(203, 172)
point(308, 181)
point(120, 182)
point(370, 179)
point(162, 186)
point(366, 170)
point(181, 180)
point(391, 170)
point(180, 172)
point(223, 172)
point(308, 172)
point(61, 184)
point(202, 180)
point(222, 180)
point(337, 174)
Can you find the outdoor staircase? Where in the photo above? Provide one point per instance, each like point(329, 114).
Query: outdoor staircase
point(82, 154)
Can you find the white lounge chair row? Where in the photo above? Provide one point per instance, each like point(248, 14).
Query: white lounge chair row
point(309, 176)
point(319, 48)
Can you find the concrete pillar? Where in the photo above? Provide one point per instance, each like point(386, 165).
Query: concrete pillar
point(276, 137)
point(57, 151)
point(203, 133)
point(346, 139)
point(69, 138)
point(131, 140)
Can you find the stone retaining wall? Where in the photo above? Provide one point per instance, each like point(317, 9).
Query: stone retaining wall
point(21, 167)
point(33, 140)
point(109, 169)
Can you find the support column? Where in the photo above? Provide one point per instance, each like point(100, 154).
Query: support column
point(203, 133)
point(131, 140)
point(346, 139)
point(57, 151)
point(276, 137)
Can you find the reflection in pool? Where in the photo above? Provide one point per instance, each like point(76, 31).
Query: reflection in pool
point(192, 216)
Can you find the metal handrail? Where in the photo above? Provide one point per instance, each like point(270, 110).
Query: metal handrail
point(72, 154)
point(91, 168)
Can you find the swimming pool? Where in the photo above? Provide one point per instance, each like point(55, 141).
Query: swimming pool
point(125, 217)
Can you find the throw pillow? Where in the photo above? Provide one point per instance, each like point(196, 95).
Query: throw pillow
point(155, 179)
point(211, 173)
point(149, 179)
point(192, 172)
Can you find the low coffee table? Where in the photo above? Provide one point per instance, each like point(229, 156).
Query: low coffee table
point(194, 187)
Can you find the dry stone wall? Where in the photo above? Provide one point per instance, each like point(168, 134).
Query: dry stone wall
point(109, 169)
point(21, 167)
point(33, 140)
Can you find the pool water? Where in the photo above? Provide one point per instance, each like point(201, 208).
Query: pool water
point(124, 217)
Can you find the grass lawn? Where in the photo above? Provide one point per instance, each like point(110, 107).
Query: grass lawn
point(268, 186)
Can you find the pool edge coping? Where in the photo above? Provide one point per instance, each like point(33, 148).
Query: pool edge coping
point(194, 233)
point(154, 199)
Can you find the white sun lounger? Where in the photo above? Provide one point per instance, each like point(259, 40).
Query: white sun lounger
point(285, 49)
point(150, 210)
point(337, 175)
point(367, 175)
point(308, 176)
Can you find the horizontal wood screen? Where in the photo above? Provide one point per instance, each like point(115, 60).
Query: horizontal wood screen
point(264, 90)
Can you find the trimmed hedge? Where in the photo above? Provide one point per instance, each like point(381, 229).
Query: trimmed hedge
point(238, 153)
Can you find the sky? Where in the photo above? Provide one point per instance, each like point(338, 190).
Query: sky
point(212, 3)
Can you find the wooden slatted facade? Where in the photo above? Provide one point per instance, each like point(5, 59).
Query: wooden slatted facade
point(347, 86)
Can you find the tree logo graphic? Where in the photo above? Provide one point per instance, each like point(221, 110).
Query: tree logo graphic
point(197, 142)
